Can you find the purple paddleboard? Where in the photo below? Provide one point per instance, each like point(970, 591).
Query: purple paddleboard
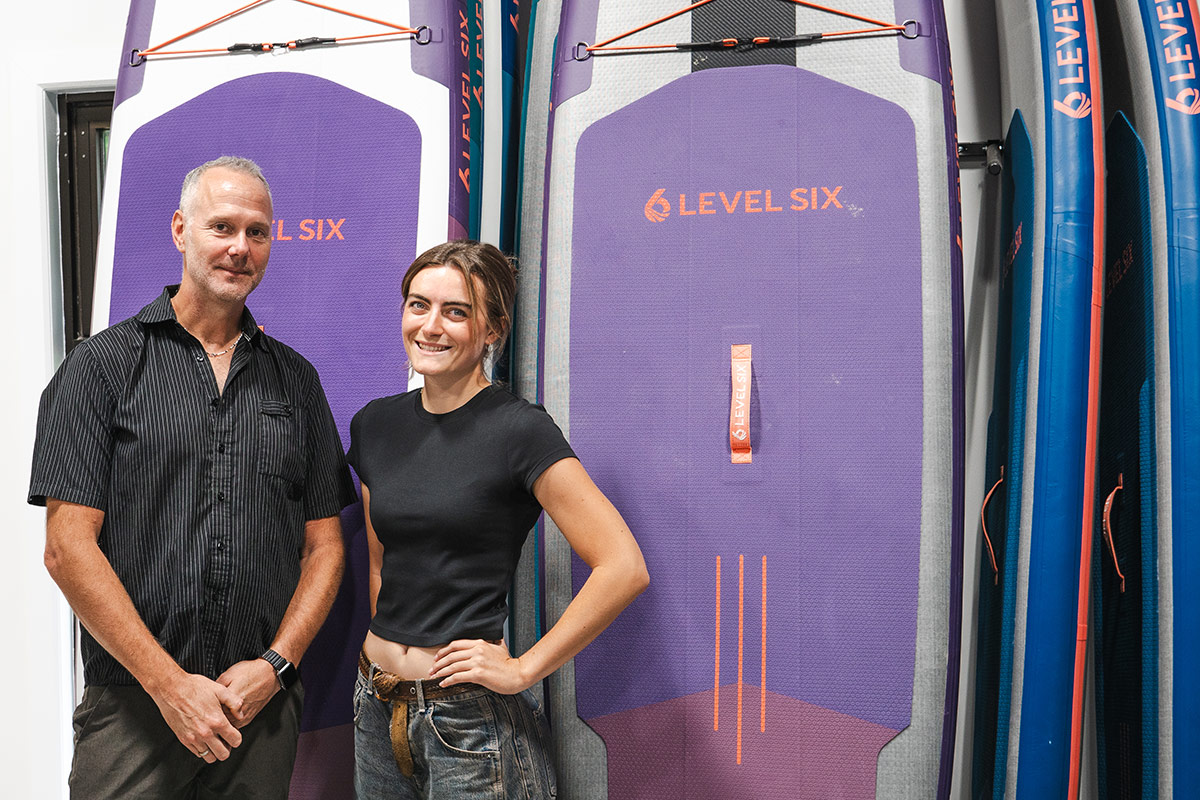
point(362, 147)
point(802, 615)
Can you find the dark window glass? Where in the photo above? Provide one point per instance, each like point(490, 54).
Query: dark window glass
point(82, 157)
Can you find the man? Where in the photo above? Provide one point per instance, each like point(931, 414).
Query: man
point(193, 477)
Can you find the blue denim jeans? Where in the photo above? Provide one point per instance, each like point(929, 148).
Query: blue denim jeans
point(473, 745)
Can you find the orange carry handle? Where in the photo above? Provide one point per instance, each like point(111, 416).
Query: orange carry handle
point(1112, 546)
point(739, 404)
point(983, 520)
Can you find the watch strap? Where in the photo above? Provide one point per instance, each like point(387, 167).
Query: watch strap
point(285, 671)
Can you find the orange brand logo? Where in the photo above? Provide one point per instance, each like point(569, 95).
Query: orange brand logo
point(1180, 101)
point(739, 410)
point(468, 90)
point(1070, 58)
point(310, 230)
point(1076, 104)
point(744, 201)
point(657, 208)
point(1180, 59)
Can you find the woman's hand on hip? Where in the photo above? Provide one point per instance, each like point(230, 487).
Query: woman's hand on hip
point(481, 662)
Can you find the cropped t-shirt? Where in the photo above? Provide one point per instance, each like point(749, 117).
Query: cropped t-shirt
point(451, 502)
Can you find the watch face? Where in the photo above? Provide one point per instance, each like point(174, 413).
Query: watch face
point(288, 675)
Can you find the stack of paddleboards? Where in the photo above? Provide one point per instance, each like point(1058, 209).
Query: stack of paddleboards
point(741, 299)
point(371, 146)
point(1084, 500)
point(1034, 578)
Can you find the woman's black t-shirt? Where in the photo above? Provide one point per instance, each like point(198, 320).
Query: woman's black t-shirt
point(451, 502)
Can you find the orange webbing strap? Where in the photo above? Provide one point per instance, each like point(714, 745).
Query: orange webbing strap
point(983, 520)
point(909, 29)
point(739, 404)
point(1112, 546)
point(137, 57)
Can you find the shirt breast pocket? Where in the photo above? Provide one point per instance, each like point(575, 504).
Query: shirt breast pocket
point(281, 444)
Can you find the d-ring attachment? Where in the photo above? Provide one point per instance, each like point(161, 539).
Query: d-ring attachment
point(424, 35)
point(136, 59)
point(581, 52)
point(912, 29)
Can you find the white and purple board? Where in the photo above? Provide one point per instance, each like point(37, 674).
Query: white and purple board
point(363, 145)
point(800, 636)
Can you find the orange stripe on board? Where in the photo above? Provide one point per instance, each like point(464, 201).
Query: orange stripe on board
point(762, 709)
point(1093, 410)
point(717, 650)
point(741, 587)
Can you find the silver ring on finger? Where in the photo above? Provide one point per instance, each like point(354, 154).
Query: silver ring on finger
point(206, 752)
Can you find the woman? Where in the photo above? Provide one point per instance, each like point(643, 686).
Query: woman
point(453, 477)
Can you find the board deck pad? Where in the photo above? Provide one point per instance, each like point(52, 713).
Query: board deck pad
point(811, 270)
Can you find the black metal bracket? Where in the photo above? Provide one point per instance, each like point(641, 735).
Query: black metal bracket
point(980, 154)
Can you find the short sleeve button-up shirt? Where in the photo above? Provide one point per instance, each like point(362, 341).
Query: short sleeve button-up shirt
point(205, 493)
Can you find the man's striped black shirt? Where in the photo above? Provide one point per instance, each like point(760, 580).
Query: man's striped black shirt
point(205, 494)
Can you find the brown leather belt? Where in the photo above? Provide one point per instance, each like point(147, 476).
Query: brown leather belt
point(399, 692)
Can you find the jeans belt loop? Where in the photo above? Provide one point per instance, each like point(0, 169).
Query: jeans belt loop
point(421, 695)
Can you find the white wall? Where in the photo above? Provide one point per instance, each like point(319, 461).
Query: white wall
point(61, 45)
point(51, 46)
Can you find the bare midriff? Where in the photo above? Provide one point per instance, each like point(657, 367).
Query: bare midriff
point(406, 661)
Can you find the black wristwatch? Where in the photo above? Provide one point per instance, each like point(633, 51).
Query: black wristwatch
point(285, 671)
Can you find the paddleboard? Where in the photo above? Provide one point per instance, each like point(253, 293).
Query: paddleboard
point(366, 146)
point(541, 31)
point(1000, 515)
point(1150, 466)
point(749, 316)
point(1033, 652)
